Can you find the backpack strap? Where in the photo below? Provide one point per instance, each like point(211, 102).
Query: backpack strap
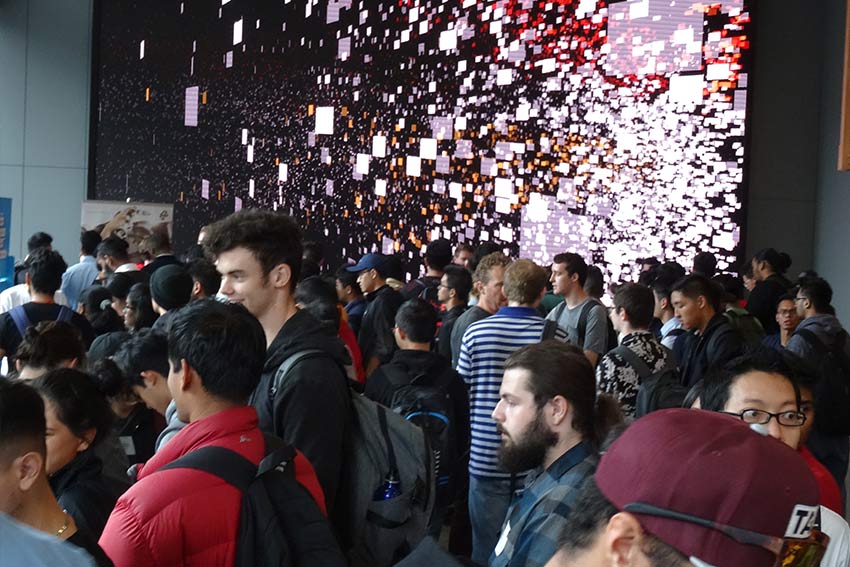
point(633, 360)
point(549, 329)
point(19, 317)
point(582, 320)
point(385, 431)
point(287, 365)
point(65, 314)
point(229, 466)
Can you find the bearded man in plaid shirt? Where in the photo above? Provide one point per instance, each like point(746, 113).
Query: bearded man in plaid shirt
point(551, 420)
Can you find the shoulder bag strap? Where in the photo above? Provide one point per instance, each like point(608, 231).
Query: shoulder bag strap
point(229, 466)
point(549, 329)
point(287, 365)
point(633, 360)
point(19, 317)
point(582, 320)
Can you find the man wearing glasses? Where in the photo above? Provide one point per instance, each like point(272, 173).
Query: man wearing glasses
point(689, 488)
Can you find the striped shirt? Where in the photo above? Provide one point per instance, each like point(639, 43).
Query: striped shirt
point(484, 349)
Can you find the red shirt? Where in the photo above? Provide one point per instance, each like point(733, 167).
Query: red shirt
point(347, 336)
point(830, 495)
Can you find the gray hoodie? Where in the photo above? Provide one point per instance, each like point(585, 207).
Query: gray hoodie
point(826, 328)
point(172, 427)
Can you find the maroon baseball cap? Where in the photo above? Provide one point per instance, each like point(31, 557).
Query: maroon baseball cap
point(712, 466)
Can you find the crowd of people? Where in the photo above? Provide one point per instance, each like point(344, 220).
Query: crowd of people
point(227, 407)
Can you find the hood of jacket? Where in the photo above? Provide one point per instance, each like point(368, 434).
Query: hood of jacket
point(415, 362)
point(301, 332)
point(825, 327)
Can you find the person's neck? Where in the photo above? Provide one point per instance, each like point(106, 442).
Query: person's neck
point(453, 302)
point(575, 296)
point(487, 306)
point(785, 336)
point(41, 511)
point(566, 441)
point(352, 298)
point(378, 285)
point(433, 273)
point(627, 330)
point(666, 316)
point(39, 297)
point(409, 345)
point(209, 407)
point(276, 316)
point(518, 304)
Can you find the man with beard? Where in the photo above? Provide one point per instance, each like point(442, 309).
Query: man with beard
point(551, 420)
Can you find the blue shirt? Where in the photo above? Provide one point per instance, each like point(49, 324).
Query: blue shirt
point(537, 519)
point(77, 278)
point(23, 545)
point(484, 348)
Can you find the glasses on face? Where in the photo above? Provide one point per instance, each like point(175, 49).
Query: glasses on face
point(799, 299)
point(789, 552)
point(790, 418)
point(787, 312)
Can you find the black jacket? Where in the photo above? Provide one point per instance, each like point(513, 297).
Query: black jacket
point(376, 330)
point(763, 301)
point(312, 408)
point(696, 353)
point(444, 335)
point(86, 493)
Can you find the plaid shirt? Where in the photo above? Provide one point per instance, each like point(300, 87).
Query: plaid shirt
point(537, 518)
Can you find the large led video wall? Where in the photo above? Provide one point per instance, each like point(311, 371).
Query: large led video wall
point(613, 129)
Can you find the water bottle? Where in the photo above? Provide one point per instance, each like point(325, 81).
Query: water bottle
point(389, 489)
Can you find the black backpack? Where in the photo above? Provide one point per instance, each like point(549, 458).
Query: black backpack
point(832, 389)
point(613, 337)
point(429, 407)
point(658, 390)
point(280, 523)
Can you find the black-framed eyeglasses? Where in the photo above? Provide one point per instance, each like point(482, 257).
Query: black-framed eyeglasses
point(790, 418)
point(789, 552)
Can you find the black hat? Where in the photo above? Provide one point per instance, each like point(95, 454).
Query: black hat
point(171, 287)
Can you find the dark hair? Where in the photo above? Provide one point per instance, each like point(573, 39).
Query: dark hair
point(50, 343)
point(439, 253)
point(139, 298)
point(39, 240)
point(784, 297)
point(594, 283)
point(193, 253)
point(223, 343)
point(819, 292)
point(158, 242)
point(463, 247)
point(779, 262)
point(694, 394)
point(79, 403)
point(119, 286)
point(312, 252)
point(114, 246)
point(574, 263)
point(309, 269)
point(111, 382)
point(459, 279)
point(45, 268)
point(273, 238)
point(719, 380)
point(589, 516)
point(733, 287)
point(747, 272)
point(22, 425)
point(705, 264)
point(695, 285)
point(648, 261)
point(146, 350)
point(558, 369)
point(203, 271)
point(638, 302)
point(89, 241)
point(418, 319)
point(347, 278)
point(99, 312)
point(524, 281)
point(484, 249)
point(318, 297)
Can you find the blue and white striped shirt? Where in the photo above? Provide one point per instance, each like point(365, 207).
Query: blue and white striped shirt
point(485, 347)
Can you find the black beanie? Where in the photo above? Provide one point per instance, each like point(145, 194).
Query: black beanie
point(171, 287)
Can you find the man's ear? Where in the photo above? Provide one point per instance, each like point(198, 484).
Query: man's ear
point(623, 538)
point(150, 378)
point(558, 410)
point(196, 289)
point(28, 468)
point(280, 276)
point(87, 439)
point(187, 375)
point(701, 301)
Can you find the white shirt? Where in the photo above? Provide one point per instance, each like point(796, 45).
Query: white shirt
point(671, 324)
point(838, 551)
point(19, 294)
point(128, 267)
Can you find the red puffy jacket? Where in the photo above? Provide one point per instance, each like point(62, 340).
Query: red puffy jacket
point(186, 517)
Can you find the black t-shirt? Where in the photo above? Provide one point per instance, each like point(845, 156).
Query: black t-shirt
point(85, 541)
point(10, 339)
point(376, 330)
